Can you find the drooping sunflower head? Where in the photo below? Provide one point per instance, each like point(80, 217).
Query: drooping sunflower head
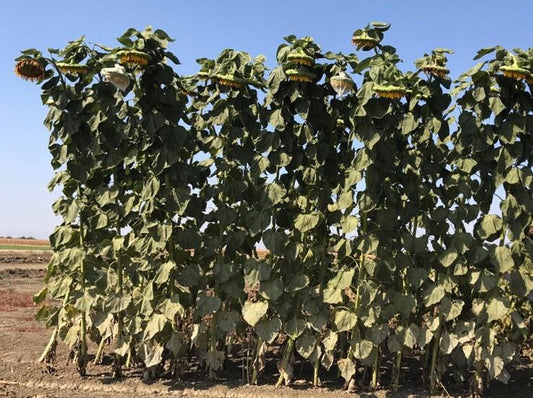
point(228, 80)
point(515, 72)
point(299, 57)
point(391, 91)
point(30, 69)
point(364, 42)
point(73, 69)
point(435, 63)
point(435, 70)
point(370, 36)
point(134, 57)
point(301, 74)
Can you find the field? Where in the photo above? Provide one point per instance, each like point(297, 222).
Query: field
point(23, 339)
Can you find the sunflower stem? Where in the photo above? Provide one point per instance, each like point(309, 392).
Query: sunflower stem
point(284, 362)
point(255, 372)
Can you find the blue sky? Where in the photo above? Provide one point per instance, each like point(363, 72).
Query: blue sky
point(203, 29)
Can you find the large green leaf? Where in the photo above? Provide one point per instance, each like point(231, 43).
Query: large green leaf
point(253, 312)
point(344, 320)
point(306, 222)
point(268, 329)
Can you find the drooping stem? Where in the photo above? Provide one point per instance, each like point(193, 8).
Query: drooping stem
point(285, 362)
point(49, 351)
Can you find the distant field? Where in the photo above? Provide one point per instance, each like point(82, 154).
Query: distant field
point(24, 247)
point(24, 244)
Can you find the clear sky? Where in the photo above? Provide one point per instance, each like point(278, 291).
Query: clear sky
point(203, 29)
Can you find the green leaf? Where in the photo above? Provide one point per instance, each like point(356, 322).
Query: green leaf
point(119, 303)
point(448, 342)
point(394, 343)
point(343, 279)
point(490, 227)
point(503, 259)
point(227, 320)
point(268, 329)
point(174, 344)
point(253, 312)
point(344, 320)
point(451, 308)
point(271, 290)
point(497, 308)
point(448, 257)
point(433, 295)
point(363, 349)
point(206, 305)
point(294, 328)
point(412, 334)
point(155, 325)
point(306, 222)
point(349, 224)
point(305, 344)
point(297, 282)
point(276, 193)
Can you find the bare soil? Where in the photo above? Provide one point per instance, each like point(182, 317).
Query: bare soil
point(22, 340)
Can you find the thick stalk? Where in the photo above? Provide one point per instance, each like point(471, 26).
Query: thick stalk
point(433, 366)
point(396, 370)
point(255, 373)
point(99, 352)
point(284, 362)
point(375, 372)
point(316, 368)
point(117, 365)
point(213, 343)
point(82, 359)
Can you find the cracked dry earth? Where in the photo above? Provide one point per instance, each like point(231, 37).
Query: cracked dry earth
point(22, 340)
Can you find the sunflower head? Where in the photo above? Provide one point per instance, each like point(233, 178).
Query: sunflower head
point(300, 75)
point(73, 69)
point(391, 91)
point(134, 57)
point(515, 72)
point(435, 70)
point(370, 36)
point(30, 69)
point(299, 57)
point(364, 42)
point(228, 80)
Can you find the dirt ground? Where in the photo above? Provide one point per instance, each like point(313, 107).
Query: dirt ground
point(22, 340)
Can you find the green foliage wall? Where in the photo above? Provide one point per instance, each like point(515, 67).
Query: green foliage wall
point(376, 207)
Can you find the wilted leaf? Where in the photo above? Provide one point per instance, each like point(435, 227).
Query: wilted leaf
point(346, 367)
